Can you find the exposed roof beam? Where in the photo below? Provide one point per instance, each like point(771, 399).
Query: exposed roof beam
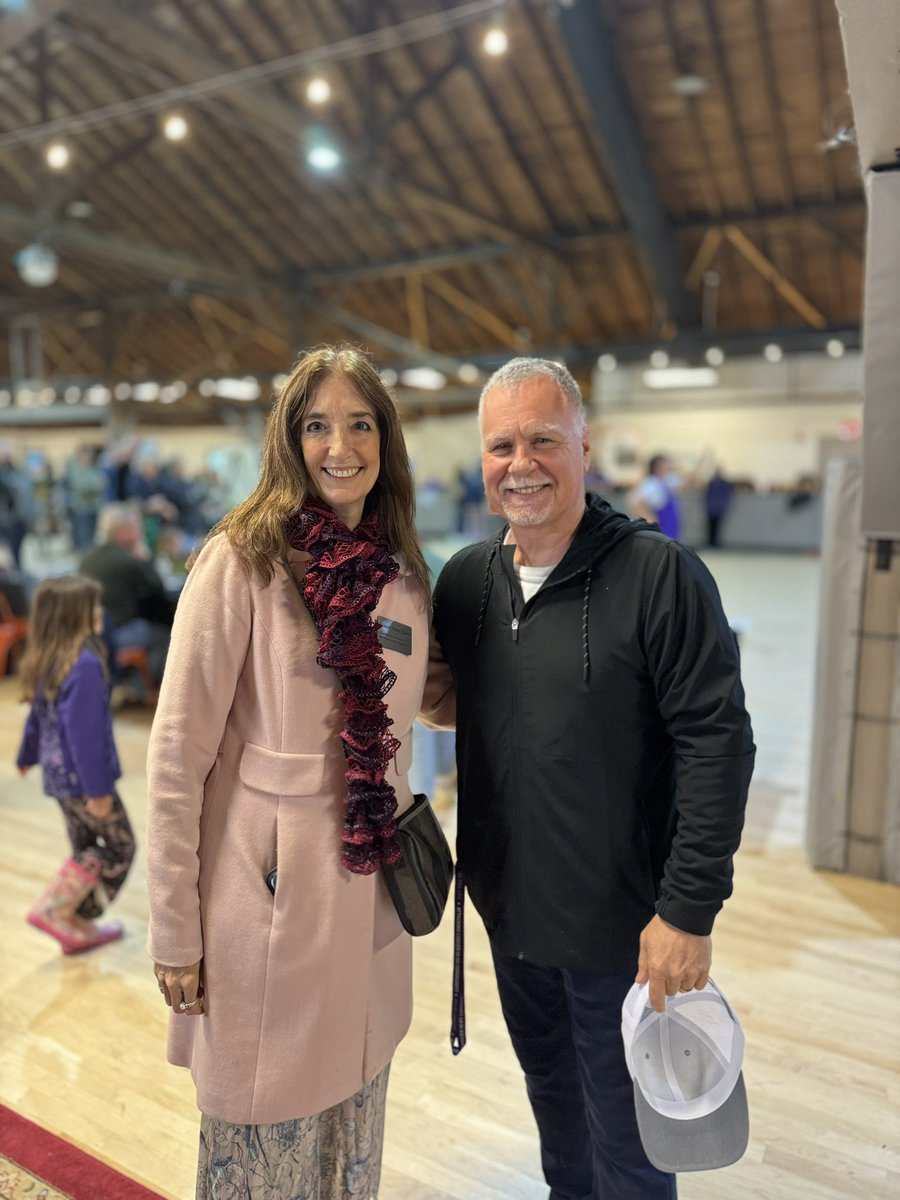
point(416, 310)
point(417, 194)
point(116, 251)
point(16, 28)
point(688, 343)
point(438, 260)
point(475, 312)
point(190, 61)
point(485, 251)
point(590, 45)
point(412, 101)
point(406, 349)
point(770, 272)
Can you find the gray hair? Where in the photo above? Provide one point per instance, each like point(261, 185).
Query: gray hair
point(115, 516)
point(519, 370)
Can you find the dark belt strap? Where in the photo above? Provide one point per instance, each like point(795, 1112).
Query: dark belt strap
point(458, 1015)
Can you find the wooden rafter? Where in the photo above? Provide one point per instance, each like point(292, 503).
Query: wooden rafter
point(726, 90)
point(773, 102)
point(703, 259)
point(416, 310)
point(705, 172)
point(476, 312)
point(16, 28)
point(770, 272)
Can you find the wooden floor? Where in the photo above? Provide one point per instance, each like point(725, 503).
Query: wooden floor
point(811, 962)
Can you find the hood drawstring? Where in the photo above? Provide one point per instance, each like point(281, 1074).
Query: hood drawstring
point(585, 638)
point(486, 591)
point(585, 611)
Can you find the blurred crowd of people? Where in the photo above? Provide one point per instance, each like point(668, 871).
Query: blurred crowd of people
point(120, 514)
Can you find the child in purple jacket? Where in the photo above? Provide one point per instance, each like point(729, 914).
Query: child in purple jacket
point(69, 732)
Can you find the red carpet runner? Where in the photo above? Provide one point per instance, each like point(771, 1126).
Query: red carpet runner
point(30, 1156)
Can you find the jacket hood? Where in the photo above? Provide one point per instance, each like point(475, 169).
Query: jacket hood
point(601, 528)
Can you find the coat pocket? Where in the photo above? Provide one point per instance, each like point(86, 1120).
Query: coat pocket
point(281, 774)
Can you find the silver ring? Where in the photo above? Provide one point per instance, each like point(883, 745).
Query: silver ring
point(185, 1005)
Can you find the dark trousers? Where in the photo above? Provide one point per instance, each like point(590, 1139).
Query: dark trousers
point(566, 1031)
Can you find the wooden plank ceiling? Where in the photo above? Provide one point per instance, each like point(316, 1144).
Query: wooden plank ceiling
point(563, 198)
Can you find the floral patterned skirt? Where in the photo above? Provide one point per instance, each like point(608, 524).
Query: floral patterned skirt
point(332, 1155)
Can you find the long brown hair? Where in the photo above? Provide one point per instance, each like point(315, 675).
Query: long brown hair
point(256, 528)
point(60, 626)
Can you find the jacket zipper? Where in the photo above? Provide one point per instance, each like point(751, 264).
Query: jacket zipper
point(514, 667)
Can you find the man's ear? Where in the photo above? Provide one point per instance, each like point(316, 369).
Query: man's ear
point(586, 447)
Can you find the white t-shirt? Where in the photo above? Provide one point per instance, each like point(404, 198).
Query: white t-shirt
point(531, 578)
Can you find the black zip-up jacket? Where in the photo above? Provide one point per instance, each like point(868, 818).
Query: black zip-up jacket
point(604, 749)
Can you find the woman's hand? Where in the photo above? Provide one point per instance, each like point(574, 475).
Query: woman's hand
point(99, 806)
point(182, 988)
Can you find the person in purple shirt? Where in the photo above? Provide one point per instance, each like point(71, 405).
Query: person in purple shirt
point(655, 498)
point(68, 732)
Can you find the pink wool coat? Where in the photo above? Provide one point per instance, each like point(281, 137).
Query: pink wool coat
point(307, 994)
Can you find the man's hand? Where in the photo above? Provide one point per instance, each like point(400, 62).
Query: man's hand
point(672, 961)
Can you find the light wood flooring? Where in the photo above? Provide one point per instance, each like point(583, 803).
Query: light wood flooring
point(810, 960)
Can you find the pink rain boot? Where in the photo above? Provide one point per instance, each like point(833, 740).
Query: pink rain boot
point(55, 912)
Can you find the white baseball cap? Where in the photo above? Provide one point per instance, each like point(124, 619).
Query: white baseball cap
point(689, 1091)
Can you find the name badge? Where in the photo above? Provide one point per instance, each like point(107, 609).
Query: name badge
point(394, 635)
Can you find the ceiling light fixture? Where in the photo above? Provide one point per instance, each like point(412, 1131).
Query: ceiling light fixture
point(318, 90)
point(323, 158)
point(607, 363)
point(773, 353)
point(57, 156)
point(175, 127)
point(37, 265)
point(835, 348)
point(81, 210)
point(715, 356)
point(468, 373)
point(496, 41)
point(659, 359)
point(681, 377)
point(426, 378)
point(238, 389)
point(689, 85)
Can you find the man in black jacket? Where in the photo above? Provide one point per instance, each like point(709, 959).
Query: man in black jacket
point(604, 756)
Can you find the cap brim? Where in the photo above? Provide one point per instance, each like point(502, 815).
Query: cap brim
point(702, 1144)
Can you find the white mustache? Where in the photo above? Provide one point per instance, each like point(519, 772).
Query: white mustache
point(512, 484)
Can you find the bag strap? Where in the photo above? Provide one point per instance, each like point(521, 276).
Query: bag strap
point(458, 1013)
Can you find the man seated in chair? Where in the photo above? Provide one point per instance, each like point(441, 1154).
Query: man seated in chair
point(139, 611)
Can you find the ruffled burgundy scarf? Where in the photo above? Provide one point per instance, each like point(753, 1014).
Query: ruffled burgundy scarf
point(342, 586)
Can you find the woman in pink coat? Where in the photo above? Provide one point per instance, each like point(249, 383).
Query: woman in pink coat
point(281, 745)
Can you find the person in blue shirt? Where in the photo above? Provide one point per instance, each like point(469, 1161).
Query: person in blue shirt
point(656, 499)
point(68, 733)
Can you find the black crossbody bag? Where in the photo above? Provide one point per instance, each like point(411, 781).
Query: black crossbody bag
point(419, 882)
